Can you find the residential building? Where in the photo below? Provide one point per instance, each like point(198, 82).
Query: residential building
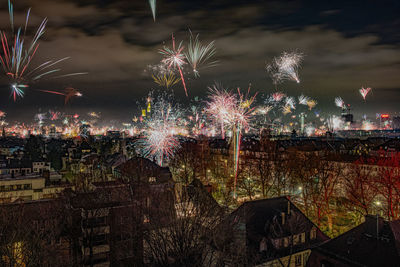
point(375, 242)
point(274, 232)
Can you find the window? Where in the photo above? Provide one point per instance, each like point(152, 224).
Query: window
point(313, 233)
point(27, 186)
point(296, 239)
point(19, 186)
point(297, 260)
point(303, 237)
point(286, 242)
point(277, 243)
point(152, 179)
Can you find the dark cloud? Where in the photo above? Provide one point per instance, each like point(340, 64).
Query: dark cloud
point(346, 46)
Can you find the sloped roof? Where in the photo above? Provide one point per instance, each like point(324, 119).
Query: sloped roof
point(258, 215)
point(362, 246)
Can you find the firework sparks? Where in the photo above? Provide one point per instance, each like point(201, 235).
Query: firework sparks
point(339, 102)
point(285, 67)
point(364, 92)
point(200, 55)
point(175, 58)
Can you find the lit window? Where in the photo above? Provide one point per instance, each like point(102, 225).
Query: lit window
point(297, 260)
point(286, 242)
point(303, 237)
point(313, 233)
point(296, 239)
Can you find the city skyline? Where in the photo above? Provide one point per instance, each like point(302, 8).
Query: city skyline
point(345, 46)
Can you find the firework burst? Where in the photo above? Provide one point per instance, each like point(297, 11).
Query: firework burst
point(220, 106)
point(339, 102)
point(286, 110)
point(277, 96)
point(285, 67)
point(159, 139)
point(175, 59)
point(311, 104)
point(289, 101)
point(303, 100)
point(166, 80)
point(200, 55)
point(364, 92)
point(17, 54)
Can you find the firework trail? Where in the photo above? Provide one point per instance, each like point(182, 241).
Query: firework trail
point(159, 139)
point(153, 4)
point(240, 120)
point(17, 54)
point(69, 93)
point(220, 106)
point(175, 58)
point(339, 102)
point(364, 92)
point(285, 67)
point(200, 55)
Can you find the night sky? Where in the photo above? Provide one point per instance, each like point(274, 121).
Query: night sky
point(347, 44)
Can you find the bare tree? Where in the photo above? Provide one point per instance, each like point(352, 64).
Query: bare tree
point(32, 234)
point(184, 234)
point(387, 184)
point(359, 189)
point(324, 190)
